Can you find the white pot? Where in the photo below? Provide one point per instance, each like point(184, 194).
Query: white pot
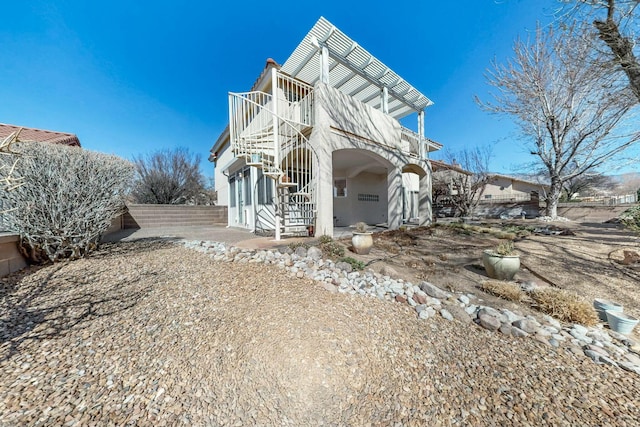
point(501, 267)
point(362, 242)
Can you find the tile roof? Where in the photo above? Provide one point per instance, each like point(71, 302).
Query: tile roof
point(39, 135)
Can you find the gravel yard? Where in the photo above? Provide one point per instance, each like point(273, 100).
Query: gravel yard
point(152, 333)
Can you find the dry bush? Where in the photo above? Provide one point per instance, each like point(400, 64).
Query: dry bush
point(66, 201)
point(564, 305)
point(507, 290)
point(170, 177)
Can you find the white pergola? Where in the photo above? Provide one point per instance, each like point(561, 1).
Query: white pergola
point(328, 55)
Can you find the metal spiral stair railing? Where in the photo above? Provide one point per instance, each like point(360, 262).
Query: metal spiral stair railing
point(292, 164)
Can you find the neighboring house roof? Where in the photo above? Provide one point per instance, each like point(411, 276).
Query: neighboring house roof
point(513, 178)
point(354, 71)
point(39, 135)
point(437, 165)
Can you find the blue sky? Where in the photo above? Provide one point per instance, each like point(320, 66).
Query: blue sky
point(132, 77)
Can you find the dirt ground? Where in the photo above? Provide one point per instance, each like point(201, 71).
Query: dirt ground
point(581, 257)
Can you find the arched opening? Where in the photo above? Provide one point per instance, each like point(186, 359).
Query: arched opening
point(361, 187)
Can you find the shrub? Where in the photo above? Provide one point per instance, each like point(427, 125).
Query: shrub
point(355, 264)
point(325, 239)
point(507, 290)
point(631, 218)
point(330, 248)
point(564, 305)
point(66, 201)
point(170, 177)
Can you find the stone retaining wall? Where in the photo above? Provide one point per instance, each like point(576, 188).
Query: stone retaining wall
point(149, 216)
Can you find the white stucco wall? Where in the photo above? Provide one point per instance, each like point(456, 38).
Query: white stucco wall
point(349, 210)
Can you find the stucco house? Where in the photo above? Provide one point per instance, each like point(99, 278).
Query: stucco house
point(317, 143)
point(504, 188)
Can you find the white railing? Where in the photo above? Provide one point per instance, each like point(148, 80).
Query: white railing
point(295, 101)
point(269, 132)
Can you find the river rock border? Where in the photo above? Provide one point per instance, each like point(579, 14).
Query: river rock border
point(600, 345)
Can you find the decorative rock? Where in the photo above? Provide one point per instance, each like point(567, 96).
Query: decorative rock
point(597, 349)
point(344, 266)
point(554, 342)
point(491, 312)
point(471, 310)
point(552, 321)
point(579, 329)
point(459, 314)
point(632, 358)
point(433, 291)
point(599, 358)
point(543, 332)
point(301, 251)
point(518, 333)
point(489, 322)
point(505, 328)
point(464, 299)
point(420, 297)
point(558, 337)
point(299, 274)
point(627, 366)
point(511, 317)
point(401, 299)
point(542, 339)
point(528, 325)
point(445, 313)
point(581, 337)
point(434, 302)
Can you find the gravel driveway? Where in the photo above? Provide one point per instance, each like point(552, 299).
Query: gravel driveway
point(150, 333)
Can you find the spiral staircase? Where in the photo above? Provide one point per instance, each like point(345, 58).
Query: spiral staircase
point(271, 132)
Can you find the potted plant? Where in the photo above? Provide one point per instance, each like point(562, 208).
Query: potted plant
point(501, 263)
point(362, 240)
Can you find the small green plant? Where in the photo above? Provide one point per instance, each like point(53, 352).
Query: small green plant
point(325, 239)
point(330, 248)
point(361, 227)
point(505, 248)
point(355, 264)
point(295, 245)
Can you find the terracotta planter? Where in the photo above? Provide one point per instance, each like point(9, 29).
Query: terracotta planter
point(501, 267)
point(362, 242)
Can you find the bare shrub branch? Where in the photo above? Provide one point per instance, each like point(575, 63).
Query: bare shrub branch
point(170, 177)
point(67, 199)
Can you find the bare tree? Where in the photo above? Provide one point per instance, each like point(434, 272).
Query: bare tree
point(466, 177)
point(578, 185)
point(616, 22)
point(573, 109)
point(169, 177)
point(65, 200)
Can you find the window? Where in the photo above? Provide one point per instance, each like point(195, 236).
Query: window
point(265, 189)
point(340, 187)
point(232, 192)
point(247, 186)
point(487, 196)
